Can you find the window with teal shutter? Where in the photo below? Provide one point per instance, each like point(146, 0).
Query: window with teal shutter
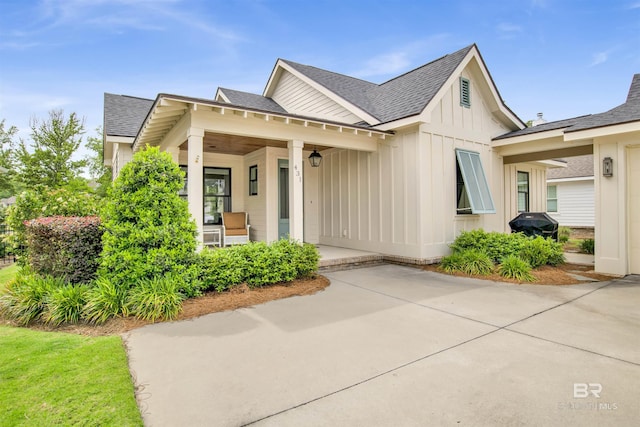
point(473, 194)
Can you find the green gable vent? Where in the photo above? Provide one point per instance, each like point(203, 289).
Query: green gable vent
point(465, 92)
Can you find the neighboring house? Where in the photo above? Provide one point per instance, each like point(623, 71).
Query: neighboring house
point(570, 192)
point(613, 138)
point(406, 164)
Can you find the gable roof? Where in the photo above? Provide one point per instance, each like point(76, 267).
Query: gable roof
point(577, 167)
point(624, 113)
point(403, 96)
point(251, 100)
point(123, 115)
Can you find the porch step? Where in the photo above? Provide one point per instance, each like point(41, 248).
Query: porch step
point(348, 263)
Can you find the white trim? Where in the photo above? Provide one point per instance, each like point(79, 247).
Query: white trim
point(579, 178)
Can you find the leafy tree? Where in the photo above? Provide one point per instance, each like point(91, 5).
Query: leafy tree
point(49, 163)
point(95, 162)
point(149, 233)
point(7, 177)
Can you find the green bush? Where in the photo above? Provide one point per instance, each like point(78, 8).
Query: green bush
point(514, 267)
point(257, 264)
point(468, 261)
point(65, 247)
point(34, 204)
point(156, 298)
point(25, 298)
point(452, 262)
point(540, 251)
point(588, 246)
point(104, 301)
point(495, 245)
point(65, 304)
point(148, 230)
point(563, 234)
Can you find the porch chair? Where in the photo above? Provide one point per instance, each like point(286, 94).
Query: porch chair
point(235, 229)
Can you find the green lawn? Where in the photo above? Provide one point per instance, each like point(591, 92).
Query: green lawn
point(6, 274)
point(51, 378)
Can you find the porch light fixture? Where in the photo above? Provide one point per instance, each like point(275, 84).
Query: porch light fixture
point(607, 167)
point(315, 158)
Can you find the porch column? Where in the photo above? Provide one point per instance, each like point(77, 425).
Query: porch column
point(195, 179)
point(296, 215)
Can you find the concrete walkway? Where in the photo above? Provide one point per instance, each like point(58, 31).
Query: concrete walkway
point(392, 345)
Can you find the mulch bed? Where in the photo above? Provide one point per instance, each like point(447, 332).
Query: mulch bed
point(211, 302)
point(545, 275)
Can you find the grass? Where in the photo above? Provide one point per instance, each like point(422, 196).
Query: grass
point(64, 379)
point(7, 274)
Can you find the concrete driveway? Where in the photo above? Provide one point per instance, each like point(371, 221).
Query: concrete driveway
point(397, 346)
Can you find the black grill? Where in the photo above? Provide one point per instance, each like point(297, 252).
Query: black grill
point(535, 224)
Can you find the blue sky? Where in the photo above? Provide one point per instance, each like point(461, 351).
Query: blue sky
point(563, 58)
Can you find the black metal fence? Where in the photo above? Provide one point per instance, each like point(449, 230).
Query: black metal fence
point(6, 251)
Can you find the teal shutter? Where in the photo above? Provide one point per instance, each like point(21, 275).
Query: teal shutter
point(475, 182)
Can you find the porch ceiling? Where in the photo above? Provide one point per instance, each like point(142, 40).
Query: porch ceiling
point(237, 145)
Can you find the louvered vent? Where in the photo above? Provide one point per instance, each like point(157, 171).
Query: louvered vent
point(465, 92)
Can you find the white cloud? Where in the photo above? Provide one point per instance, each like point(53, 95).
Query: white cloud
point(599, 58)
point(508, 30)
point(388, 63)
point(634, 5)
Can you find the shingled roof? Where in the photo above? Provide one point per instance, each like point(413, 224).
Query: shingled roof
point(577, 167)
point(400, 97)
point(625, 113)
point(123, 115)
point(251, 100)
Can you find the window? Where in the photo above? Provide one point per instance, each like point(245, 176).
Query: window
point(552, 198)
point(523, 191)
point(183, 191)
point(473, 195)
point(217, 194)
point(465, 92)
point(253, 180)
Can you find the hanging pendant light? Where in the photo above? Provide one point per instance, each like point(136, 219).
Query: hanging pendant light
point(315, 158)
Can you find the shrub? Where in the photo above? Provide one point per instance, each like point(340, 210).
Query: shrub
point(476, 262)
point(65, 304)
point(156, 298)
point(34, 204)
point(257, 264)
point(588, 246)
point(105, 301)
point(148, 230)
point(514, 267)
point(563, 234)
point(65, 247)
point(540, 251)
point(25, 298)
point(452, 262)
point(495, 245)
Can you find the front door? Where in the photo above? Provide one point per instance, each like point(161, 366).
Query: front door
point(283, 199)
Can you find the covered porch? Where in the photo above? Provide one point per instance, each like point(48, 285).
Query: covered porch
point(245, 160)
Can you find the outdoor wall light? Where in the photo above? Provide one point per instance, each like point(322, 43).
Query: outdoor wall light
point(315, 158)
point(607, 167)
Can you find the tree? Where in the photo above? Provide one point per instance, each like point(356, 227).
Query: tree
point(95, 162)
point(7, 173)
point(50, 162)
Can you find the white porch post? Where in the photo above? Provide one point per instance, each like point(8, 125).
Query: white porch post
point(296, 202)
point(195, 179)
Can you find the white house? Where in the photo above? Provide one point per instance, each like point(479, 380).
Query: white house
point(406, 164)
point(570, 193)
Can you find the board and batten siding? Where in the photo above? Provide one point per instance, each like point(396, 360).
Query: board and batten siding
point(255, 205)
point(297, 97)
point(576, 203)
point(537, 189)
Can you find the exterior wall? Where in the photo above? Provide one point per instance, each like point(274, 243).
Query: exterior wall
point(255, 205)
point(297, 97)
point(537, 189)
point(576, 203)
point(616, 230)
point(368, 200)
point(122, 155)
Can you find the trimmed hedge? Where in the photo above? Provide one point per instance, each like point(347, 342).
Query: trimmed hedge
point(65, 247)
point(257, 264)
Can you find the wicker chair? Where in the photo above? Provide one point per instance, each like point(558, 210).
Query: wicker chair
point(235, 229)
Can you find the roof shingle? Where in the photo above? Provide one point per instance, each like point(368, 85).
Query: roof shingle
point(251, 100)
point(123, 115)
